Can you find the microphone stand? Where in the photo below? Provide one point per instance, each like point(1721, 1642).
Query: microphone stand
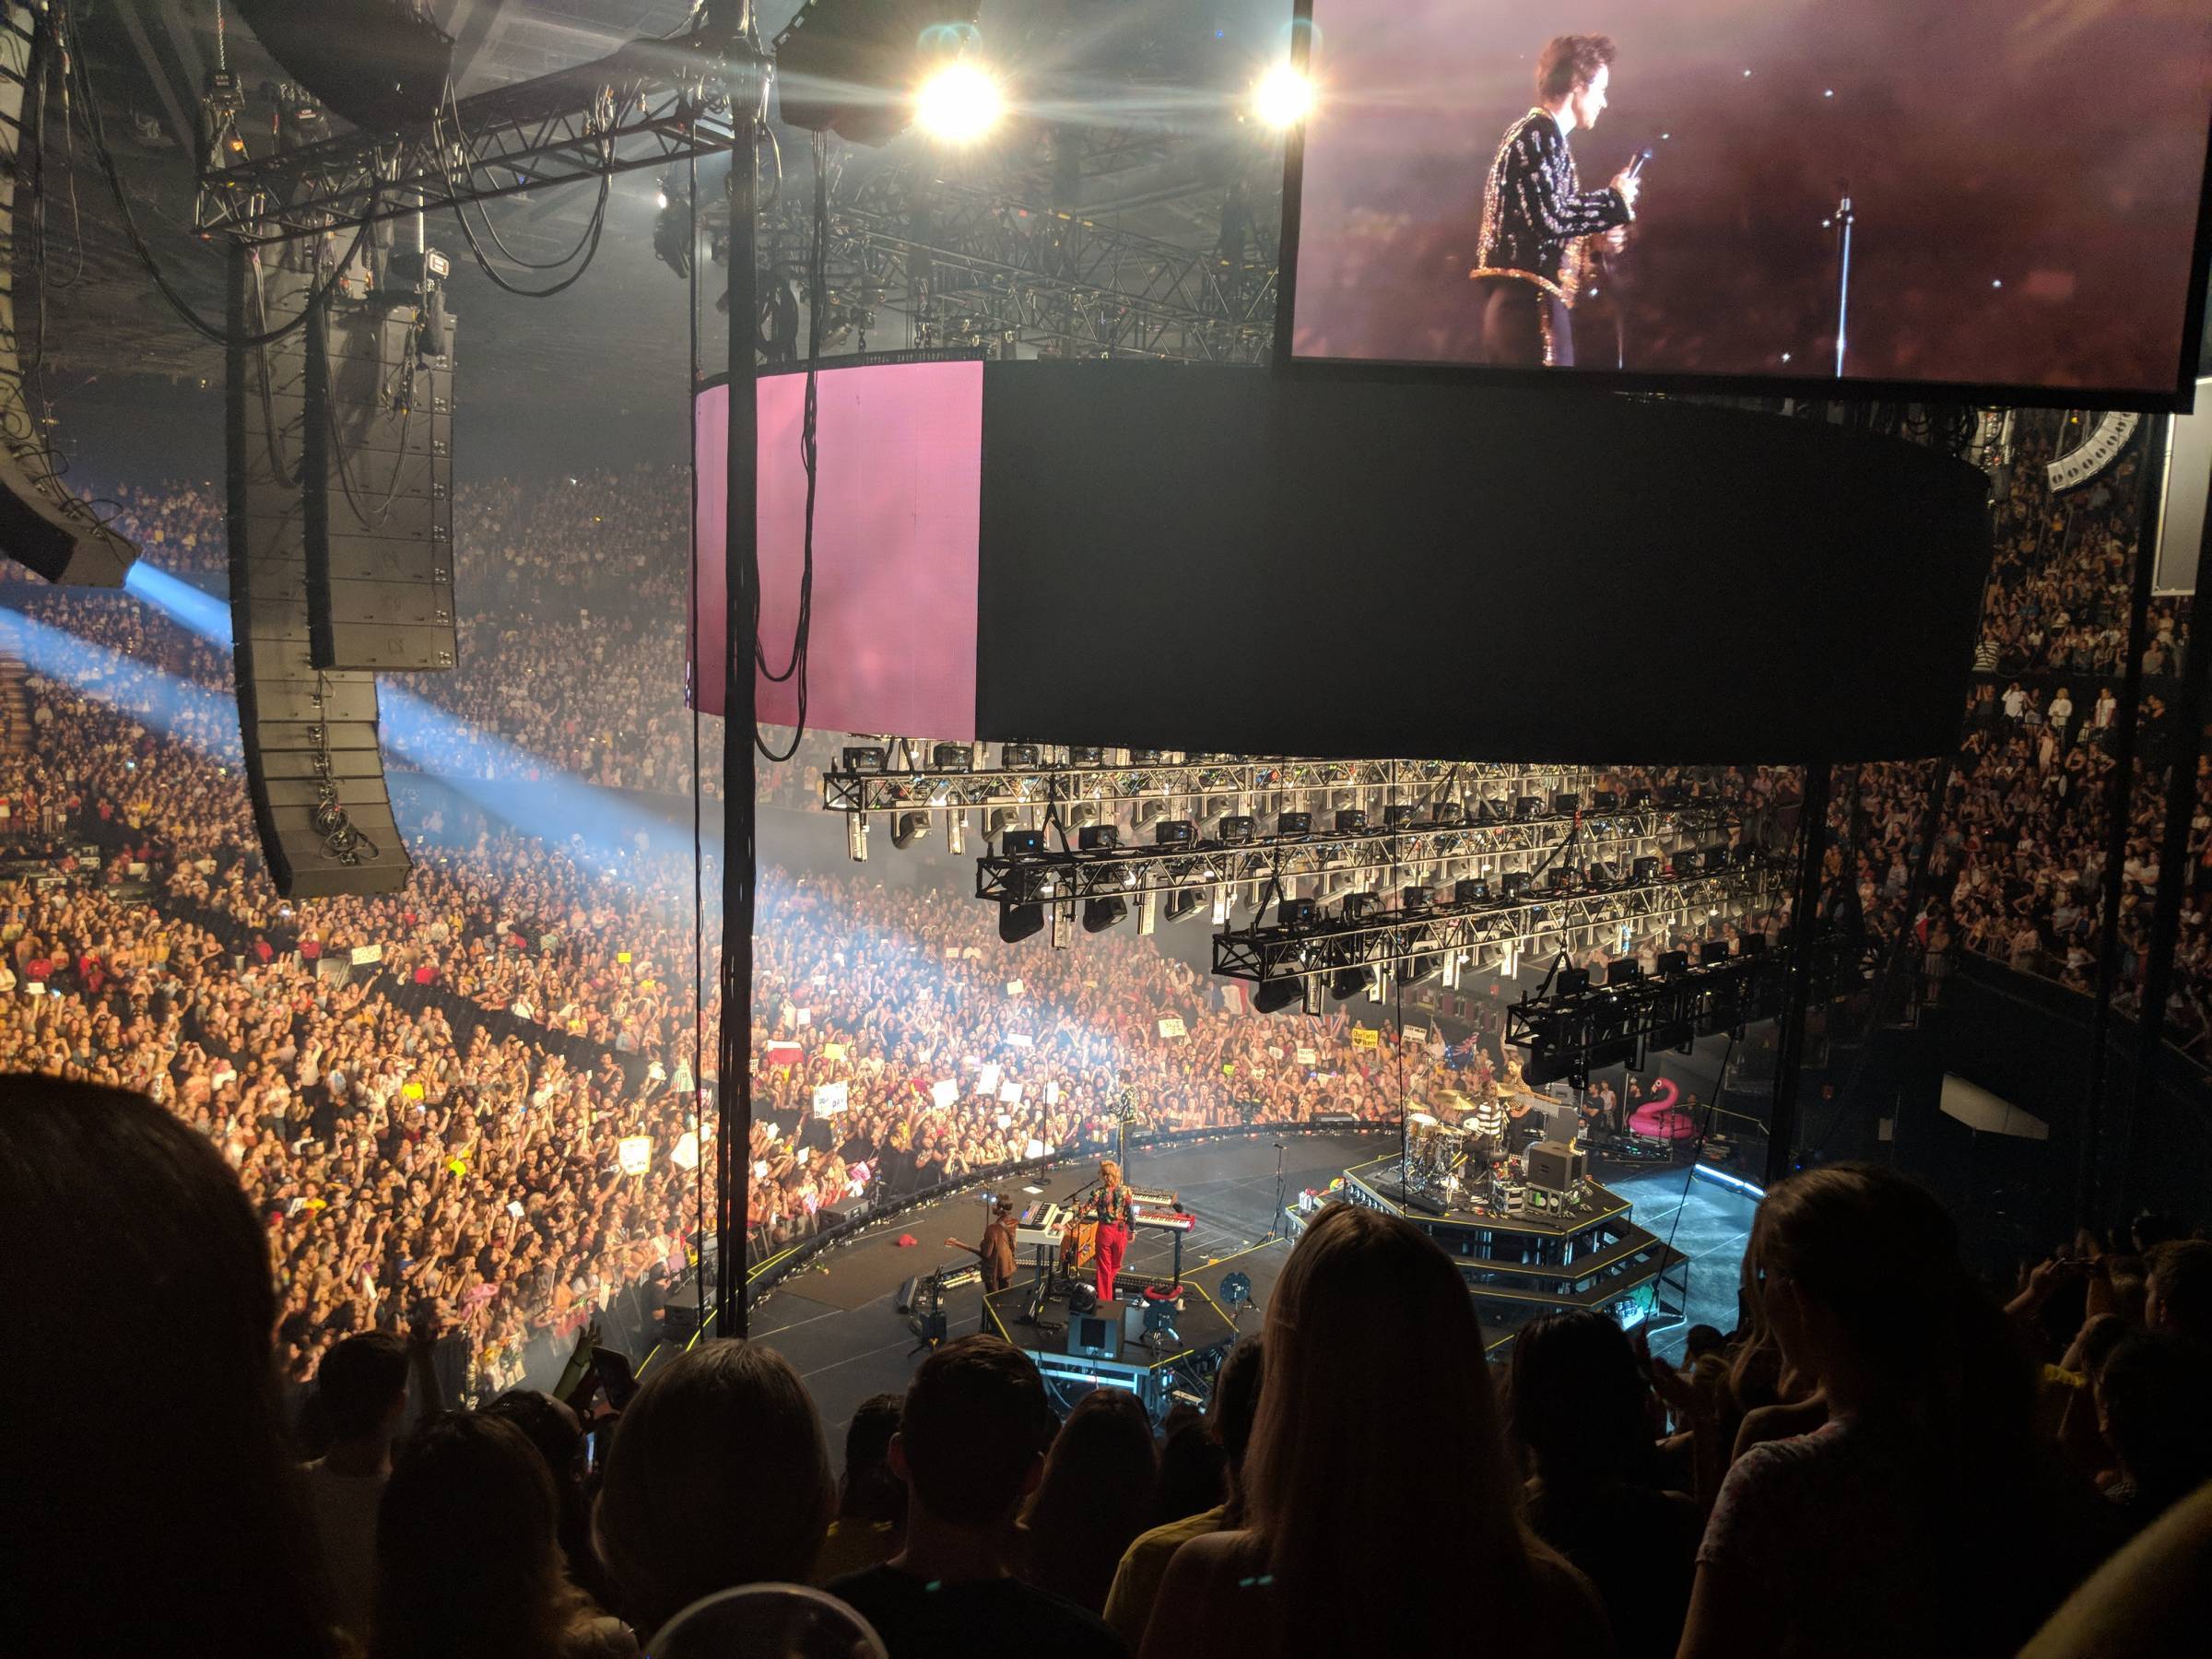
point(1274, 1225)
point(1843, 219)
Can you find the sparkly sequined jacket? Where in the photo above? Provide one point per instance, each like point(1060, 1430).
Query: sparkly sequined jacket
point(1535, 207)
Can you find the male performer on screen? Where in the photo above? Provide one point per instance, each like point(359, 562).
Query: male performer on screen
point(1111, 1209)
point(1534, 211)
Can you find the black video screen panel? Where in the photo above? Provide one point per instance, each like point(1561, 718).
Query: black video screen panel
point(1666, 195)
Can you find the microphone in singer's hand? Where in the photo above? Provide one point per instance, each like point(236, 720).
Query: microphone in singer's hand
point(1635, 166)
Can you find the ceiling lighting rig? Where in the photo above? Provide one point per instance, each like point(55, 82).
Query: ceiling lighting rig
point(915, 786)
point(1572, 1026)
point(1469, 927)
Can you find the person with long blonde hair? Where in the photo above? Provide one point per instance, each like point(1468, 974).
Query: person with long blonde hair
point(1383, 1515)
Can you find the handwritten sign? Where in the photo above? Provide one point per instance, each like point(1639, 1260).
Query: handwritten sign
point(1365, 1037)
point(1172, 1026)
point(944, 1092)
point(829, 1098)
point(685, 1154)
point(1009, 1094)
point(833, 1051)
point(636, 1154)
point(1304, 1056)
point(362, 956)
point(986, 1081)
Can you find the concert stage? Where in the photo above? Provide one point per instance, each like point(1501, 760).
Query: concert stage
point(1580, 1252)
point(835, 1319)
point(1077, 1352)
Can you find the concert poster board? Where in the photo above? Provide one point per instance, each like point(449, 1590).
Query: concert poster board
point(2026, 194)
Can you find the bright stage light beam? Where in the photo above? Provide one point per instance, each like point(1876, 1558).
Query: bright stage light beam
point(959, 104)
point(1283, 98)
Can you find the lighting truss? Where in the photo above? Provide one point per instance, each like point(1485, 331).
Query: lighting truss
point(1106, 785)
point(644, 105)
point(1481, 933)
point(1280, 863)
point(1570, 1031)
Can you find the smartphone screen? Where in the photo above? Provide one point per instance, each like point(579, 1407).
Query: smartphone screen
point(590, 1452)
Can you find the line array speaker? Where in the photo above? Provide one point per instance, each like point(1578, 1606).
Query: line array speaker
point(314, 768)
point(380, 538)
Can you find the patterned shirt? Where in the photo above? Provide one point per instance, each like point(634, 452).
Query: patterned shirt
point(1113, 1207)
point(1534, 204)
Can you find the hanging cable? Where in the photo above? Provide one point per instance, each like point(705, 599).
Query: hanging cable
point(587, 245)
point(816, 303)
point(699, 782)
point(96, 129)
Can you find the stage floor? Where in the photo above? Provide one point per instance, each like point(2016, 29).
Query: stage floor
point(850, 1346)
point(834, 1319)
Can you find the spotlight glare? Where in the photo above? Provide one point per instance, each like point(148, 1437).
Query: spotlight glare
point(1283, 98)
point(959, 104)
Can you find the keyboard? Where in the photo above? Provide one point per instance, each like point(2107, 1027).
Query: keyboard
point(1146, 1214)
point(1043, 1223)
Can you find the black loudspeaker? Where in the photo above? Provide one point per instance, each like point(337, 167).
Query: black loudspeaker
point(61, 540)
point(379, 491)
point(381, 64)
point(679, 1322)
point(314, 768)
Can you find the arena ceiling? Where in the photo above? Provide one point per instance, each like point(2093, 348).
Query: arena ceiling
point(1132, 128)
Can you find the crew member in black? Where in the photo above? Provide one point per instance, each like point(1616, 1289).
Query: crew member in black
point(1534, 211)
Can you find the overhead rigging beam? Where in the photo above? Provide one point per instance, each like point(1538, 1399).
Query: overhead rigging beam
point(644, 105)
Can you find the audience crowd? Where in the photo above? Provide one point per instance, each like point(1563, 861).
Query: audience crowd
point(1884, 1456)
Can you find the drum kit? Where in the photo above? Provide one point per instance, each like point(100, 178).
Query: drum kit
point(1449, 1157)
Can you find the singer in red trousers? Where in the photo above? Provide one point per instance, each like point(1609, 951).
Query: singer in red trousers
point(1111, 1210)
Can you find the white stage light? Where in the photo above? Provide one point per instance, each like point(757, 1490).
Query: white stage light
point(959, 104)
point(1284, 96)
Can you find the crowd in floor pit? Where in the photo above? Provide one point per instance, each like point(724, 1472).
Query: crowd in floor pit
point(427, 1093)
point(1883, 1456)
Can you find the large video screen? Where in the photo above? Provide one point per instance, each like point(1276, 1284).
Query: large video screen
point(898, 508)
point(1663, 188)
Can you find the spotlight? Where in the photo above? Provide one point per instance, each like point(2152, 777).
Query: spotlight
point(1414, 970)
point(1712, 952)
point(1019, 922)
point(1018, 757)
point(1098, 914)
point(1095, 838)
point(1144, 757)
point(909, 828)
point(1001, 818)
point(1297, 913)
point(1448, 815)
point(959, 104)
point(1175, 832)
point(1471, 891)
point(1644, 871)
point(1358, 907)
point(1184, 901)
point(956, 834)
point(1275, 995)
point(1572, 982)
point(1399, 815)
point(1566, 804)
point(1674, 963)
point(867, 759)
point(1604, 800)
point(952, 757)
point(1623, 971)
point(1016, 844)
point(1348, 982)
point(1416, 897)
point(1087, 756)
point(1237, 830)
point(1294, 823)
point(1351, 820)
point(1283, 96)
point(1527, 806)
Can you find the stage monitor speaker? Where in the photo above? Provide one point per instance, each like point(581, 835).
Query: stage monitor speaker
point(1096, 1334)
point(314, 772)
point(1554, 1166)
point(379, 492)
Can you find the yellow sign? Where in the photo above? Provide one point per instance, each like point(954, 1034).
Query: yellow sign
point(622, 957)
point(1365, 1037)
